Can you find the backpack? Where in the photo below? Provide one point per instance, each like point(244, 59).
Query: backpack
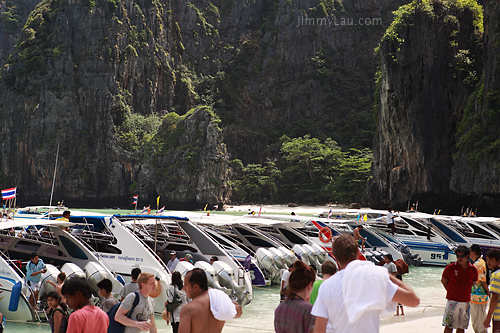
point(402, 266)
point(114, 326)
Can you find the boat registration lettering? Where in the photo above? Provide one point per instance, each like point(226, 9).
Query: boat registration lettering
point(107, 256)
point(127, 258)
point(437, 256)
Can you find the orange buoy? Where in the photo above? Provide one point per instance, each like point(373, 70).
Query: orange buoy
point(325, 235)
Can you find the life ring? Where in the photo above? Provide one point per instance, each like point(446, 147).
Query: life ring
point(325, 234)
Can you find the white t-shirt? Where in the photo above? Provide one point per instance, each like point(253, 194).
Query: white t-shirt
point(391, 267)
point(390, 218)
point(330, 305)
point(285, 277)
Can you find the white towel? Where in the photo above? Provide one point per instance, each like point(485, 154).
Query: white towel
point(221, 305)
point(364, 287)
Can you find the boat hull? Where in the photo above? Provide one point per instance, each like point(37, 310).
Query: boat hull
point(432, 254)
point(23, 312)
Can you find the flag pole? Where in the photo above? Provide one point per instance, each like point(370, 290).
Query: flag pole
point(156, 232)
point(54, 180)
point(135, 211)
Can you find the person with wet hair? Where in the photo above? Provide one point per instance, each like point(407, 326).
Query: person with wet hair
point(293, 315)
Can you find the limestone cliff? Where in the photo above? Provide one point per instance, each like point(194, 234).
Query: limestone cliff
point(106, 79)
point(436, 136)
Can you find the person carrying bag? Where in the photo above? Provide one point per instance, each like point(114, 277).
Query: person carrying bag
point(176, 299)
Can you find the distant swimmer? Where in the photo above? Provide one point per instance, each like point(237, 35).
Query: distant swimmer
point(209, 309)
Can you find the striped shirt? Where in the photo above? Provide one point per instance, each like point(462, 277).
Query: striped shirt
point(495, 288)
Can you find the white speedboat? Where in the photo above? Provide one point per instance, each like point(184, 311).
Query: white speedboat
point(122, 250)
point(167, 233)
point(55, 246)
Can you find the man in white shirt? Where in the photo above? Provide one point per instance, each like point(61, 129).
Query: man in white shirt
point(390, 220)
point(172, 262)
point(353, 299)
point(284, 282)
point(390, 265)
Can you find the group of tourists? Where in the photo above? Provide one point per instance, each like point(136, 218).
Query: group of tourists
point(193, 307)
point(350, 300)
point(470, 283)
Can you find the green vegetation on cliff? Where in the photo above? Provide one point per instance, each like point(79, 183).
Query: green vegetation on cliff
point(477, 135)
point(307, 171)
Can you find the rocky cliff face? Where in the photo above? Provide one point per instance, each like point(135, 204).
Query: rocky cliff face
point(13, 15)
point(102, 79)
point(434, 142)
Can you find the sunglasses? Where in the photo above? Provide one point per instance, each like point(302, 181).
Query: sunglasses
point(461, 256)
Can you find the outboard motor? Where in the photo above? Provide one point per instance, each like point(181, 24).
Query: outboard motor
point(279, 258)
point(266, 264)
point(301, 253)
point(313, 259)
point(95, 272)
point(321, 253)
point(289, 255)
point(227, 278)
point(183, 267)
point(212, 277)
point(265, 259)
point(50, 275)
point(72, 270)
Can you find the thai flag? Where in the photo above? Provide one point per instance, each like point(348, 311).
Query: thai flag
point(136, 198)
point(160, 211)
point(9, 193)
point(144, 210)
